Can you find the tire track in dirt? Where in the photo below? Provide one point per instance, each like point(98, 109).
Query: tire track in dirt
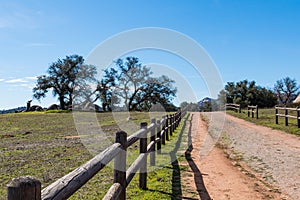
point(273, 154)
point(214, 176)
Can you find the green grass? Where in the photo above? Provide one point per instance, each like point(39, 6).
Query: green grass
point(266, 117)
point(37, 144)
point(164, 181)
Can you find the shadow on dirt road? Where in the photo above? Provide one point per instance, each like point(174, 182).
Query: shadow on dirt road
point(198, 176)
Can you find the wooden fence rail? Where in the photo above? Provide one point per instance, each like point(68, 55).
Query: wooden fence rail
point(286, 115)
point(26, 188)
point(252, 109)
point(236, 107)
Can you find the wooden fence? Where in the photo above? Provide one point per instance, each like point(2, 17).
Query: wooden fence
point(26, 188)
point(286, 114)
point(232, 106)
point(253, 109)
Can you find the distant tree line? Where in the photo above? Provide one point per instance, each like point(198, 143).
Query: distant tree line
point(128, 85)
point(192, 107)
point(13, 110)
point(248, 93)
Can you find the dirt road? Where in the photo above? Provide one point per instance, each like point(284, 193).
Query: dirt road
point(264, 163)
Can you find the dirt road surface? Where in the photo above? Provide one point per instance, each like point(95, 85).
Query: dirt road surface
point(262, 164)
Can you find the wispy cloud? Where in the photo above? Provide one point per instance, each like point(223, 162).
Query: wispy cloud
point(1, 79)
point(27, 79)
point(17, 80)
point(27, 85)
point(31, 78)
point(17, 16)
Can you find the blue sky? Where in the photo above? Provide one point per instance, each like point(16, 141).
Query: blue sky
point(254, 40)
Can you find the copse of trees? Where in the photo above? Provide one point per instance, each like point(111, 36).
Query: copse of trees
point(127, 83)
point(193, 107)
point(247, 93)
point(131, 82)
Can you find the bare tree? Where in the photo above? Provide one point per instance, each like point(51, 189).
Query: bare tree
point(286, 90)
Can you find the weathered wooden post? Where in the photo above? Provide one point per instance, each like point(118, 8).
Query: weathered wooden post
point(152, 139)
point(158, 136)
point(252, 110)
point(240, 108)
point(170, 129)
point(256, 111)
point(143, 150)
point(286, 116)
point(167, 128)
point(179, 116)
point(163, 132)
point(298, 116)
point(120, 164)
point(276, 115)
point(176, 120)
point(173, 122)
point(24, 188)
point(248, 108)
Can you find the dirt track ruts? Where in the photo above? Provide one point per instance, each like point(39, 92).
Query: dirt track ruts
point(272, 154)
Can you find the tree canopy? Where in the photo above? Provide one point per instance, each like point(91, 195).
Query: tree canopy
point(132, 83)
point(286, 90)
point(67, 78)
point(247, 93)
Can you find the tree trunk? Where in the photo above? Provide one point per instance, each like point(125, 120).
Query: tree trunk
point(62, 102)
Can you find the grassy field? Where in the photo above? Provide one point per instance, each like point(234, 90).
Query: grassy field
point(267, 118)
point(46, 146)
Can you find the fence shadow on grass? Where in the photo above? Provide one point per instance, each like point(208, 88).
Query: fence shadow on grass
point(176, 174)
point(198, 176)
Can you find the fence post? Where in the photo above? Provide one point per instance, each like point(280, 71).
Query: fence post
point(171, 117)
point(240, 108)
point(173, 123)
point(158, 136)
point(143, 150)
point(248, 111)
point(177, 120)
point(24, 188)
point(276, 115)
point(163, 132)
point(298, 116)
point(167, 128)
point(179, 116)
point(252, 110)
point(286, 118)
point(120, 164)
point(256, 111)
point(152, 138)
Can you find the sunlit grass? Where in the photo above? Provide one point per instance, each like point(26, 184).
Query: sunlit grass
point(266, 117)
point(41, 145)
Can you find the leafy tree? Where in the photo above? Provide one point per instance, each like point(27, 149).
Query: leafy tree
point(105, 88)
point(222, 98)
point(286, 90)
point(133, 83)
point(67, 78)
point(247, 93)
point(265, 98)
point(230, 92)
